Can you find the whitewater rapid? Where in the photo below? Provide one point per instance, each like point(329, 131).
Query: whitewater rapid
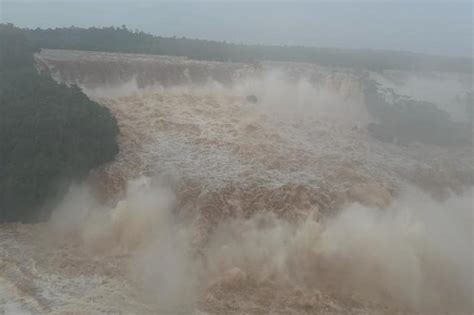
point(216, 204)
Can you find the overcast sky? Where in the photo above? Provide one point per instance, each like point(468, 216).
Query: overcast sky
point(434, 27)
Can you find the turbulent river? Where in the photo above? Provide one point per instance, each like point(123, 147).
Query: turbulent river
point(249, 189)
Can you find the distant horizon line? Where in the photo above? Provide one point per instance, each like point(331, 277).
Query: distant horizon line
point(374, 50)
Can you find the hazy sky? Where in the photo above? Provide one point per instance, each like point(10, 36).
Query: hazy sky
point(435, 27)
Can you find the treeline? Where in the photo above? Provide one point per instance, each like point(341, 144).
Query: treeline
point(115, 39)
point(50, 134)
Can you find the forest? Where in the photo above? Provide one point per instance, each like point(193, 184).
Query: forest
point(122, 39)
point(50, 134)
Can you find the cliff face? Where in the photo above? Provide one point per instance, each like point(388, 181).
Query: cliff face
point(111, 72)
point(101, 69)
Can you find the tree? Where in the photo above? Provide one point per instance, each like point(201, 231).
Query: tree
point(50, 134)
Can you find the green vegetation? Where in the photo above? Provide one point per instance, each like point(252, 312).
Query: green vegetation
point(405, 120)
point(123, 40)
point(50, 134)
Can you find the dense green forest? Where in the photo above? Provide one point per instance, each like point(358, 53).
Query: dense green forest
point(50, 134)
point(124, 40)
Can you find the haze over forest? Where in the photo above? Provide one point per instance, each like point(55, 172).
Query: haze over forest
point(436, 27)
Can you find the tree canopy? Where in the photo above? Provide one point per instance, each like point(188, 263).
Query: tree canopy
point(50, 133)
point(114, 39)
